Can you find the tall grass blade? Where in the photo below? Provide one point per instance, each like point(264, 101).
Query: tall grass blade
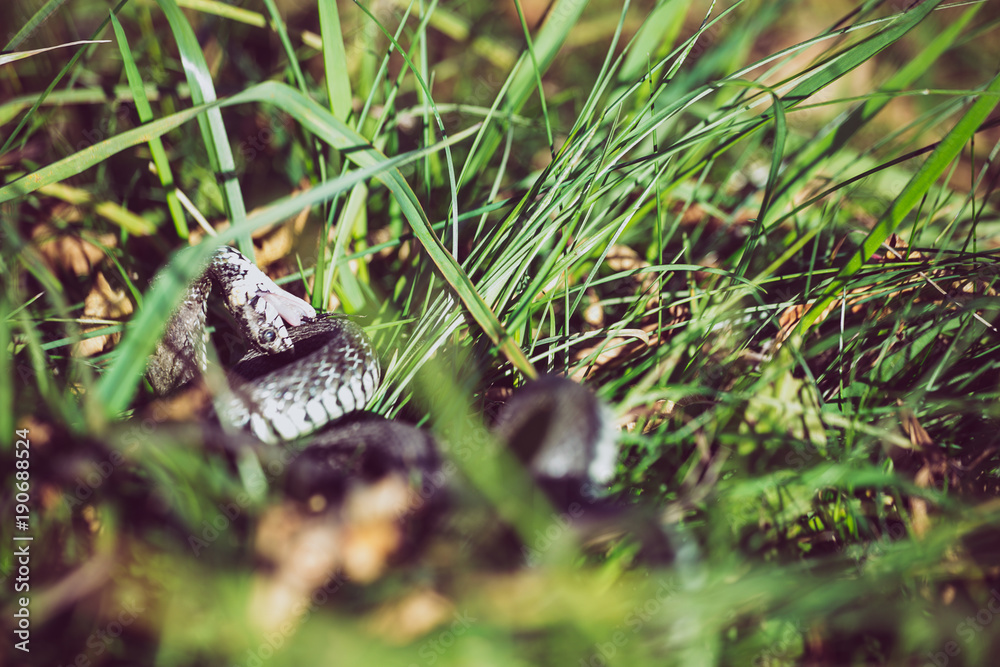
point(915, 190)
point(213, 129)
point(145, 112)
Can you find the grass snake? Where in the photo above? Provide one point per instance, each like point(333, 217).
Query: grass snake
point(304, 371)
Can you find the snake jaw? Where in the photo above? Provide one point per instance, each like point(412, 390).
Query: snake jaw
point(274, 311)
point(312, 370)
point(245, 283)
point(263, 325)
point(293, 310)
point(260, 307)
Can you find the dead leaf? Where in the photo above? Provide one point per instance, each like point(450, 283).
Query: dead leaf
point(68, 253)
point(102, 303)
point(304, 552)
point(306, 549)
point(404, 620)
point(914, 431)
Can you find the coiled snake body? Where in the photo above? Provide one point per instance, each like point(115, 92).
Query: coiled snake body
point(303, 370)
point(306, 370)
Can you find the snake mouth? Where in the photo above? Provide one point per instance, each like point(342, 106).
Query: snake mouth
point(303, 341)
point(300, 373)
point(293, 310)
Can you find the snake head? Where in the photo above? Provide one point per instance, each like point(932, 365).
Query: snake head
point(263, 327)
point(260, 307)
point(266, 315)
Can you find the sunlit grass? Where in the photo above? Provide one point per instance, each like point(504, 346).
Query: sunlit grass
point(776, 265)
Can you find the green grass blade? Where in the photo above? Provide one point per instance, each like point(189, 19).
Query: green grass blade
point(562, 16)
point(279, 27)
point(82, 95)
point(6, 58)
point(837, 65)
point(36, 20)
point(145, 112)
point(213, 129)
point(95, 154)
point(828, 145)
point(326, 127)
point(117, 387)
point(437, 116)
point(914, 191)
point(55, 80)
point(338, 85)
point(777, 155)
point(536, 70)
point(658, 32)
point(225, 11)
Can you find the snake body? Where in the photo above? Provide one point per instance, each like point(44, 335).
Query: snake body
point(305, 370)
point(331, 371)
point(302, 371)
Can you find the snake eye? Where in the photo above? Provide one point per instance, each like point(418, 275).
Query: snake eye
point(269, 336)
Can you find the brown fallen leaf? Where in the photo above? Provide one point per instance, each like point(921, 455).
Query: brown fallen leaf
point(102, 303)
point(304, 552)
point(306, 549)
point(66, 252)
point(412, 616)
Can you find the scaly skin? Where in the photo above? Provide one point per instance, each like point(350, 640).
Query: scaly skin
point(259, 306)
point(279, 392)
